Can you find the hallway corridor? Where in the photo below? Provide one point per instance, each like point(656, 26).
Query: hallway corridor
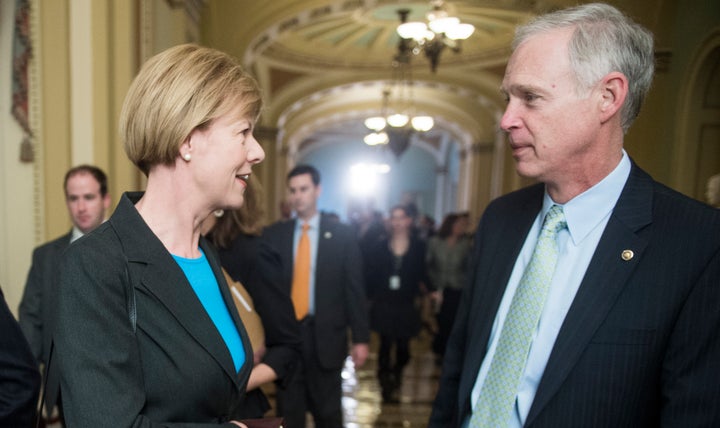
point(362, 401)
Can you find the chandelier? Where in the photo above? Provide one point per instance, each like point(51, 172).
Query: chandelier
point(440, 31)
point(397, 119)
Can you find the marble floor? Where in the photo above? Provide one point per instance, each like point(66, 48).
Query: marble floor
point(363, 405)
point(362, 401)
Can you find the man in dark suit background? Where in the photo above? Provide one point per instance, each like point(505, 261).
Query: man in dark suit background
point(627, 331)
point(336, 302)
point(88, 200)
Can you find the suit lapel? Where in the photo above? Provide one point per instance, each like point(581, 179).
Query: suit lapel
point(324, 252)
point(152, 266)
point(604, 279)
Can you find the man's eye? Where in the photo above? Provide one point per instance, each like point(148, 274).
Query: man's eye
point(530, 97)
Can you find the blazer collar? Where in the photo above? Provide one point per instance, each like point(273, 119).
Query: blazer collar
point(152, 267)
point(604, 279)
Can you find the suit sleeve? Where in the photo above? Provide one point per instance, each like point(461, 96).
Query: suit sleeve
point(691, 369)
point(31, 310)
point(19, 376)
point(355, 299)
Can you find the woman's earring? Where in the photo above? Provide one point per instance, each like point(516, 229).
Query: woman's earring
point(187, 157)
point(218, 213)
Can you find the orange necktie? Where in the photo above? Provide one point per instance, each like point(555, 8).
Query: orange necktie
point(301, 275)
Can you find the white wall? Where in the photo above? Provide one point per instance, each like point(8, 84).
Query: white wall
point(18, 213)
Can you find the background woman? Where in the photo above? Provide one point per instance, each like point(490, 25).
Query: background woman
point(395, 277)
point(447, 262)
point(147, 333)
point(256, 267)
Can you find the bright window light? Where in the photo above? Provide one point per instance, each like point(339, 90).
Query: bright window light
point(365, 177)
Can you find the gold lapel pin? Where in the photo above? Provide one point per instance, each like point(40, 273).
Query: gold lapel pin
point(627, 255)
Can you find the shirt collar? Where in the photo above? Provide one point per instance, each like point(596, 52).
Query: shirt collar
point(76, 234)
point(314, 222)
point(585, 211)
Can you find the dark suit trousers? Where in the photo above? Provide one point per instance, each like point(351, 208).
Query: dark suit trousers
point(312, 388)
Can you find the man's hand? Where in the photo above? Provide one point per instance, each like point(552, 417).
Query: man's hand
point(359, 353)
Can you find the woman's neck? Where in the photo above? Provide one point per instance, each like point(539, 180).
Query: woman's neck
point(399, 243)
point(171, 215)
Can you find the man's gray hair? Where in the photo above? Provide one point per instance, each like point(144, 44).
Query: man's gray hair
point(605, 40)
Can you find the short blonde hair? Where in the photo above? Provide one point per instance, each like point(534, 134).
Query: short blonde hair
point(178, 90)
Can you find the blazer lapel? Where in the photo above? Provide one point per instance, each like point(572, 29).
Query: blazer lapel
point(152, 266)
point(324, 252)
point(604, 279)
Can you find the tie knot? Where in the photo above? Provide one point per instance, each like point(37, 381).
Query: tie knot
point(554, 220)
point(305, 227)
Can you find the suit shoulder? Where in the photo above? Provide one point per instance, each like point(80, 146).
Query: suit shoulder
point(277, 227)
point(677, 207)
point(101, 244)
point(516, 200)
point(60, 242)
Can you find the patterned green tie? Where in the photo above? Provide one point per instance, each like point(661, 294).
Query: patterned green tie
point(497, 396)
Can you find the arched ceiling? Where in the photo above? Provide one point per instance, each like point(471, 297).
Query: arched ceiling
point(323, 64)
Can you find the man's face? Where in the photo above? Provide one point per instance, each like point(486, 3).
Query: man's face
point(552, 125)
point(85, 203)
point(303, 195)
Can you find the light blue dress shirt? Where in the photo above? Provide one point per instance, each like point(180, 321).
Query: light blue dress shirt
point(587, 215)
point(313, 234)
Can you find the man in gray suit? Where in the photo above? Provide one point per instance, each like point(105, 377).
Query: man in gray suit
point(87, 199)
point(334, 302)
point(593, 295)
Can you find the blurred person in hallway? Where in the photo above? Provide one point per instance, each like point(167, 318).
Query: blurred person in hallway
point(147, 332)
point(322, 270)
point(19, 375)
point(254, 266)
point(396, 279)
point(447, 265)
point(593, 295)
point(88, 202)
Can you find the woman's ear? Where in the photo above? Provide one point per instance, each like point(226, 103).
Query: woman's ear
point(186, 149)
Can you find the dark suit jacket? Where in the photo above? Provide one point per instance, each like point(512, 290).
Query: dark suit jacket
point(639, 346)
point(174, 367)
point(19, 376)
point(256, 266)
point(35, 313)
point(38, 306)
point(339, 287)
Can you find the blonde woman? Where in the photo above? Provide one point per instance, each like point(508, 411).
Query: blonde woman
point(147, 332)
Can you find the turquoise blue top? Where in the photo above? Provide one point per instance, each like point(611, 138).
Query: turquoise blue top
point(204, 283)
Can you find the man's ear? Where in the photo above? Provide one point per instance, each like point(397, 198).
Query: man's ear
point(613, 91)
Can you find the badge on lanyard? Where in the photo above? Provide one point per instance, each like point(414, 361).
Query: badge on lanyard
point(394, 282)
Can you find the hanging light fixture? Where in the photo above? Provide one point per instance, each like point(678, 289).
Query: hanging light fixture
point(397, 116)
point(440, 31)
